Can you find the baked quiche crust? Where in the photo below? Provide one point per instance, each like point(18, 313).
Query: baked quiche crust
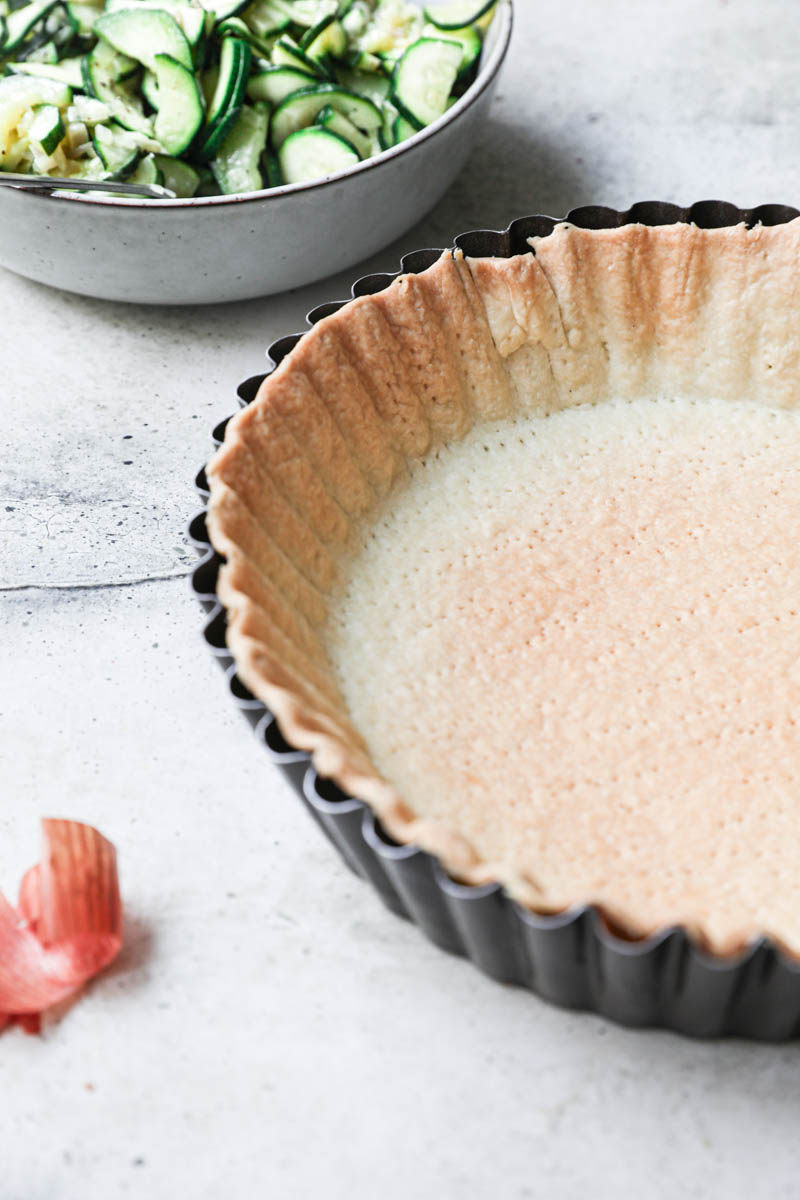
point(633, 315)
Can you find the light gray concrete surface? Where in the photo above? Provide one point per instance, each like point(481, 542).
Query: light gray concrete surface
point(269, 1030)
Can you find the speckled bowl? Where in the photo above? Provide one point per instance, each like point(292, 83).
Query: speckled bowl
point(222, 248)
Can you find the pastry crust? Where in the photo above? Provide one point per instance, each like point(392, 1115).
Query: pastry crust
point(625, 313)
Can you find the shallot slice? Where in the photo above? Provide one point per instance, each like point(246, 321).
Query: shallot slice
point(67, 925)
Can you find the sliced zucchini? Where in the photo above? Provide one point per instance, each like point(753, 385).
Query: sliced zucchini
point(271, 168)
point(220, 9)
point(336, 122)
point(235, 27)
point(82, 17)
point(46, 53)
point(468, 38)
point(276, 83)
point(286, 53)
point(386, 131)
point(458, 13)
point(47, 127)
point(326, 38)
point(208, 84)
point(424, 78)
point(67, 71)
point(360, 60)
point(147, 171)
point(114, 149)
point(149, 88)
point(192, 22)
point(102, 71)
point(109, 65)
point(301, 109)
point(179, 177)
point(190, 19)
point(20, 22)
point(264, 18)
point(354, 15)
point(236, 165)
point(144, 33)
point(234, 64)
point(375, 87)
point(314, 153)
point(180, 106)
point(304, 12)
point(208, 185)
point(226, 102)
point(18, 93)
point(402, 129)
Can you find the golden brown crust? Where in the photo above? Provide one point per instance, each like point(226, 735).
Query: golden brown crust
point(627, 312)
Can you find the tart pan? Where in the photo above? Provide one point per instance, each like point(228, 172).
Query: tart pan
point(573, 959)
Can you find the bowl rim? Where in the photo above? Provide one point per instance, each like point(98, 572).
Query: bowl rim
point(487, 73)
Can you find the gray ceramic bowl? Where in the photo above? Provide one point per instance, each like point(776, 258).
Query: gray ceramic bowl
point(235, 247)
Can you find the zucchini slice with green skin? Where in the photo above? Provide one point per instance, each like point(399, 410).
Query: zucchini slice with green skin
point(180, 177)
point(220, 9)
point(314, 153)
point(271, 168)
point(149, 88)
point(192, 23)
point(109, 65)
point(286, 54)
point(386, 132)
point(47, 127)
point(326, 38)
point(468, 38)
point(190, 20)
point(301, 12)
point(208, 84)
point(263, 18)
point(226, 103)
point(101, 71)
point(82, 17)
point(118, 158)
point(67, 71)
point(276, 83)
point(236, 165)
point(147, 171)
point(234, 64)
point(372, 64)
point(301, 109)
point(423, 79)
point(458, 13)
point(18, 93)
point(402, 130)
point(45, 53)
point(142, 34)
point(208, 185)
point(336, 122)
point(21, 21)
point(180, 107)
point(235, 27)
point(375, 87)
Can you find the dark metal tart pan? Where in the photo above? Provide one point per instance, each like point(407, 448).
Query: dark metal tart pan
point(573, 958)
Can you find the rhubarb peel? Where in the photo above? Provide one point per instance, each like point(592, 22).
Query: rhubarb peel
point(67, 925)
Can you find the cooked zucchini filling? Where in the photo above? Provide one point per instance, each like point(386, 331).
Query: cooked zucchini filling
point(225, 96)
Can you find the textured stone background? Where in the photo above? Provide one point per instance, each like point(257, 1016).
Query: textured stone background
point(269, 1029)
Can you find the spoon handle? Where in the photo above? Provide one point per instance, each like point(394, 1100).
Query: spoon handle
point(48, 183)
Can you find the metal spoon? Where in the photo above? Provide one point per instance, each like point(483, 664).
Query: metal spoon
point(48, 183)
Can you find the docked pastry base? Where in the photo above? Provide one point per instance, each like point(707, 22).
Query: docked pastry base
point(530, 327)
